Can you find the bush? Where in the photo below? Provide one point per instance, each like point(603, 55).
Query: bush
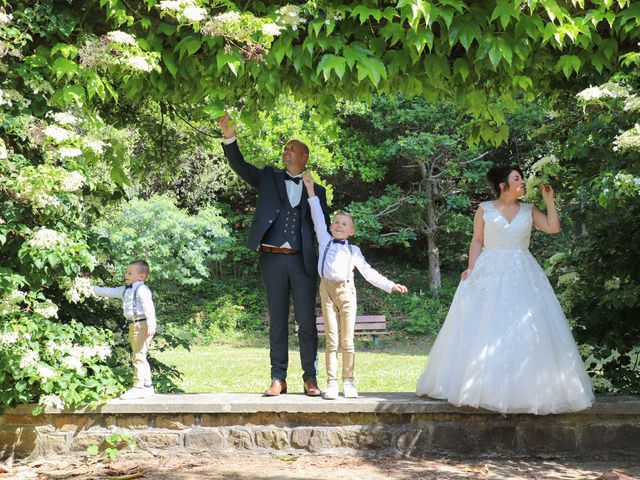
point(50, 363)
point(178, 246)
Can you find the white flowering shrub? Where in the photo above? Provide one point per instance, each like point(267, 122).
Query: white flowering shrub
point(51, 364)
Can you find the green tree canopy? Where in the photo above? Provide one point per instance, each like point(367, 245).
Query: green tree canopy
point(213, 54)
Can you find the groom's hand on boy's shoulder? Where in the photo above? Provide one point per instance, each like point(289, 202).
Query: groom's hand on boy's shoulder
point(399, 288)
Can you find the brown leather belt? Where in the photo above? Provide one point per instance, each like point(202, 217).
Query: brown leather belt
point(268, 249)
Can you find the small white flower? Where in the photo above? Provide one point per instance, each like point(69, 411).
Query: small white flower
point(64, 118)
point(194, 14)
point(79, 290)
point(44, 372)
point(227, 17)
point(139, 63)
point(29, 359)
point(8, 338)
point(271, 29)
point(52, 401)
point(4, 154)
point(57, 133)
point(5, 18)
point(96, 145)
point(46, 238)
point(121, 37)
point(73, 363)
point(169, 5)
point(47, 309)
point(42, 200)
point(69, 152)
point(72, 181)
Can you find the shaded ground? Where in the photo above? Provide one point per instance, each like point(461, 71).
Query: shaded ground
point(305, 467)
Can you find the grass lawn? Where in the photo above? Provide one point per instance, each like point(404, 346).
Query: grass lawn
point(394, 366)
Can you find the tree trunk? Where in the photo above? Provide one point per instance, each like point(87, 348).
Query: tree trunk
point(435, 282)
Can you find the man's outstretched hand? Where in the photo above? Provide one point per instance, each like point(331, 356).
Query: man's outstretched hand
point(228, 128)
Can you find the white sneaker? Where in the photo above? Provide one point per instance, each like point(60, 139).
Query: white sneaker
point(331, 392)
point(136, 393)
point(349, 389)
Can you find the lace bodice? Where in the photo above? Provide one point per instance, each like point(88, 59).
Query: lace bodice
point(499, 234)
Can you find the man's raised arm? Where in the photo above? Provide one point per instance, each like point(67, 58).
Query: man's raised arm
point(249, 173)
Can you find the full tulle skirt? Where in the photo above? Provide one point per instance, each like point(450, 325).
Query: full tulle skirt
point(506, 344)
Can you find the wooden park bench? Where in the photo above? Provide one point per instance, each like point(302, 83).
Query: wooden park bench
point(374, 325)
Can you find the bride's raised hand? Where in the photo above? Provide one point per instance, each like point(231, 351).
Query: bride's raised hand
point(547, 192)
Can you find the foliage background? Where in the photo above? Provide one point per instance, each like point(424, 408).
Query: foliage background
point(109, 150)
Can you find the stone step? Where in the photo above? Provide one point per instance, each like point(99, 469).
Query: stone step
point(389, 423)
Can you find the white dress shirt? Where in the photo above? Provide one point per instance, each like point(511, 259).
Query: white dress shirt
point(339, 260)
point(143, 305)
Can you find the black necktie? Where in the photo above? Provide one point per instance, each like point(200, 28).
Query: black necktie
point(296, 180)
point(341, 242)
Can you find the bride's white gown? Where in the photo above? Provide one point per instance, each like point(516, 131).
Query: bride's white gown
point(506, 344)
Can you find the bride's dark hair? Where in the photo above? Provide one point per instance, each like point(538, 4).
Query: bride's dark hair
point(500, 174)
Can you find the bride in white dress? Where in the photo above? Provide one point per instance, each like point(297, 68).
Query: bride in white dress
point(506, 344)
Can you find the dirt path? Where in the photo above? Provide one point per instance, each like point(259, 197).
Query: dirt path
point(317, 467)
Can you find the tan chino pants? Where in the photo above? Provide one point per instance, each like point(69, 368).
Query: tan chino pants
point(339, 304)
point(140, 343)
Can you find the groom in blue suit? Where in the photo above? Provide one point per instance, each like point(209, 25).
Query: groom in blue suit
point(282, 231)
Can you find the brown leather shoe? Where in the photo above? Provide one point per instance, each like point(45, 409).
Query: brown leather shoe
point(277, 387)
point(311, 388)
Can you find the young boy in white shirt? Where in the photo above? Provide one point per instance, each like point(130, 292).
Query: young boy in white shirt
point(336, 262)
point(138, 309)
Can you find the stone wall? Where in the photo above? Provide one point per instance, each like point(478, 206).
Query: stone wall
point(399, 424)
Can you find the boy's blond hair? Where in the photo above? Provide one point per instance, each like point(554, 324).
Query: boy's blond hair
point(346, 214)
point(141, 266)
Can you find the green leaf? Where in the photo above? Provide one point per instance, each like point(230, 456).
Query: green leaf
point(36, 61)
point(364, 13)
point(330, 62)
point(63, 67)
point(167, 29)
point(418, 39)
point(468, 32)
point(67, 51)
point(568, 64)
point(188, 45)
point(169, 61)
point(462, 67)
point(495, 52)
point(94, 85)
point(73, 94)
point(504, 10)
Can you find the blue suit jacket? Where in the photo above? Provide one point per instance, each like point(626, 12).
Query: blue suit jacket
point(271, 192)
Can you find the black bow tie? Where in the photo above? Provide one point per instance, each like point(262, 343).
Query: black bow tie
point(296, 180)
point(128, 286)
point(341, 242)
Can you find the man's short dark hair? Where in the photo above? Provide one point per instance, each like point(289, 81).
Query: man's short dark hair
point(142, 266)
point(304, 146)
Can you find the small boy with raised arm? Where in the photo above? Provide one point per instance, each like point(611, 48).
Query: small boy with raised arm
point(336, 262)
point(138, 309)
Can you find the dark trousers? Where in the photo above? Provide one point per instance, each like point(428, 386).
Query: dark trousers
point(284, 276)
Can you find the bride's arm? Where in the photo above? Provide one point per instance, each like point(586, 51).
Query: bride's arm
point(477, 242)
point(550, 222)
